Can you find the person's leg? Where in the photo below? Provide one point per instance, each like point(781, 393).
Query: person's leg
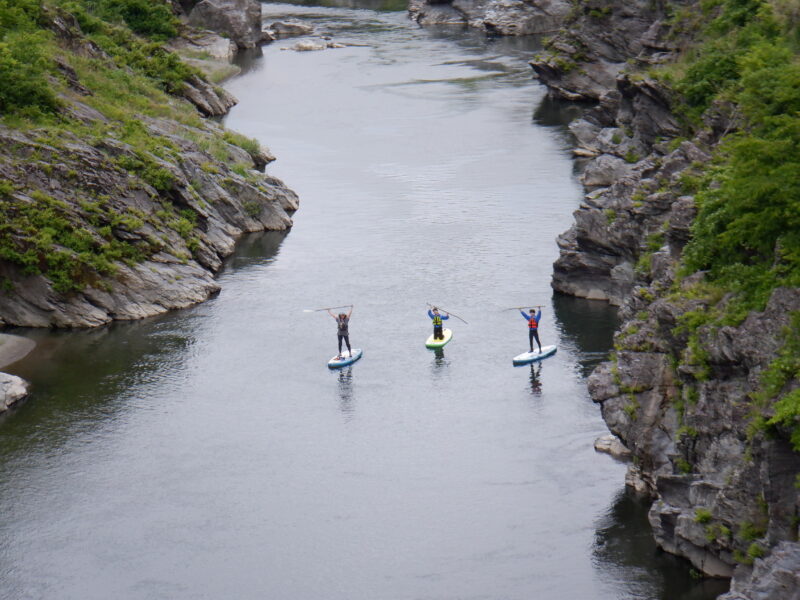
point(339, 337)
point(347, 341)
point(536, 335)
point(437, 333)
point(531, 333)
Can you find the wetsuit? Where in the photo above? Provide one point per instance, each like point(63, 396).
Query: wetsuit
point(343, 333)
point(437, 324)
point(533, 328)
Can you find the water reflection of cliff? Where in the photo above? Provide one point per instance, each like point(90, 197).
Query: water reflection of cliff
point(626, 554)
point(588, 326)
point(81, 378)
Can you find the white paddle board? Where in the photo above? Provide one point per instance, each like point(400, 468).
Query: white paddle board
point(344, 359)
point(529, 357)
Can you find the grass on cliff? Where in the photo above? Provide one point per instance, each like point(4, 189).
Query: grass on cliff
point(747, 232)
point(132, 77)
point(746, 236)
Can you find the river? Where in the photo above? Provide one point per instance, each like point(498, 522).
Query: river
point(209, 453)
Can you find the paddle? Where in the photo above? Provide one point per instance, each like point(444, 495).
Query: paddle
point(522, 307)
point(448, 312)
point(311, 310)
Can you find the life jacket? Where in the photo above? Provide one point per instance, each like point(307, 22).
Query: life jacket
point(437, 320)
point(343, 323)
point(533, 323)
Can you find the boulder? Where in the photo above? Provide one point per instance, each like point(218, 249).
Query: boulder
point(239, 20)
point(289, 28)
point(605, 170)
point(13, 390)
point(776, 577)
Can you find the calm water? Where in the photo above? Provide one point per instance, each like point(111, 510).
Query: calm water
point(211, 454)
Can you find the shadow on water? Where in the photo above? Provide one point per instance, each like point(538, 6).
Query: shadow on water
point(344, 380)
point(588, 326)
point(536, 383)
point(82, 377)
point(626, 551)
point(555, 112)
point(439, 361)
point(256, 249)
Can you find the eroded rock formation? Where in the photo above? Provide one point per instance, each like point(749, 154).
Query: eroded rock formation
point(503, 17)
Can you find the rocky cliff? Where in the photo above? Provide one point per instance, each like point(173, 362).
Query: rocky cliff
point(684, 392)
point(503, 17)
point(118, 199)
point(699, 389)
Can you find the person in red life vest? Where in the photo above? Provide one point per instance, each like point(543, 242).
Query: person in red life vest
point(533, 327)
point(342, 323)
point(437, 323)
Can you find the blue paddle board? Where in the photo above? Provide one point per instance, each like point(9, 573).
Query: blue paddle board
point(529, 357)
point(344, 359)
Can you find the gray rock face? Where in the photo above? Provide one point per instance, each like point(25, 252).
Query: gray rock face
point(723, 493)
point(178, 267)
point(210, 101)
point(239, 20)
point(776, 577)
point(688, 433)
point(501, 17)
point(611, 444)
point(289, 28)
point(584, 59)
point(13, 389)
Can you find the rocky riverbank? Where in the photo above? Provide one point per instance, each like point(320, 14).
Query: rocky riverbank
point(684, 394)
point(119, 200)
point(679, 397)
point(126, 208)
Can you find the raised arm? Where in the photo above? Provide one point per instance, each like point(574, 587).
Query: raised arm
point(351, 311)
point(525, 315)
point(331, 314)
point(430, 313)
point(445, 317)
point(538, 316)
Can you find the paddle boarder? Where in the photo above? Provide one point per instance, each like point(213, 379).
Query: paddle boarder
point(437, 322)
point(342, 332)
point(533, 327)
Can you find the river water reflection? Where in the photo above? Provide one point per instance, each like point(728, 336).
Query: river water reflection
point(210, 453)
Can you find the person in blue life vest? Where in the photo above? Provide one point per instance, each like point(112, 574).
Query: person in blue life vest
point(533, 327)
point(437, 322)
point(342, 331)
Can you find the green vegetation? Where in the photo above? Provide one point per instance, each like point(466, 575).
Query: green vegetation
point(25, 60)
point(775, 381)
point(131, 78)
point(702, 515)
point(28, 49)
point(683, 465)
point(40, 234)
point(747, 233)
point(717, 531)
point(746, 236)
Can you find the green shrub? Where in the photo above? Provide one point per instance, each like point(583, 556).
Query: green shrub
point(25, 64)
point(250, 145)
point(151, 18)
point(702, 515)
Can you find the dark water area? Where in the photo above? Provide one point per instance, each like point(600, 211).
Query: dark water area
point(210, 453)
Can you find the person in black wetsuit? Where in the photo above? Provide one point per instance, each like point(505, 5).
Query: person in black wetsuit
point(437, 323)
point(533, 327)
point(342, 331)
